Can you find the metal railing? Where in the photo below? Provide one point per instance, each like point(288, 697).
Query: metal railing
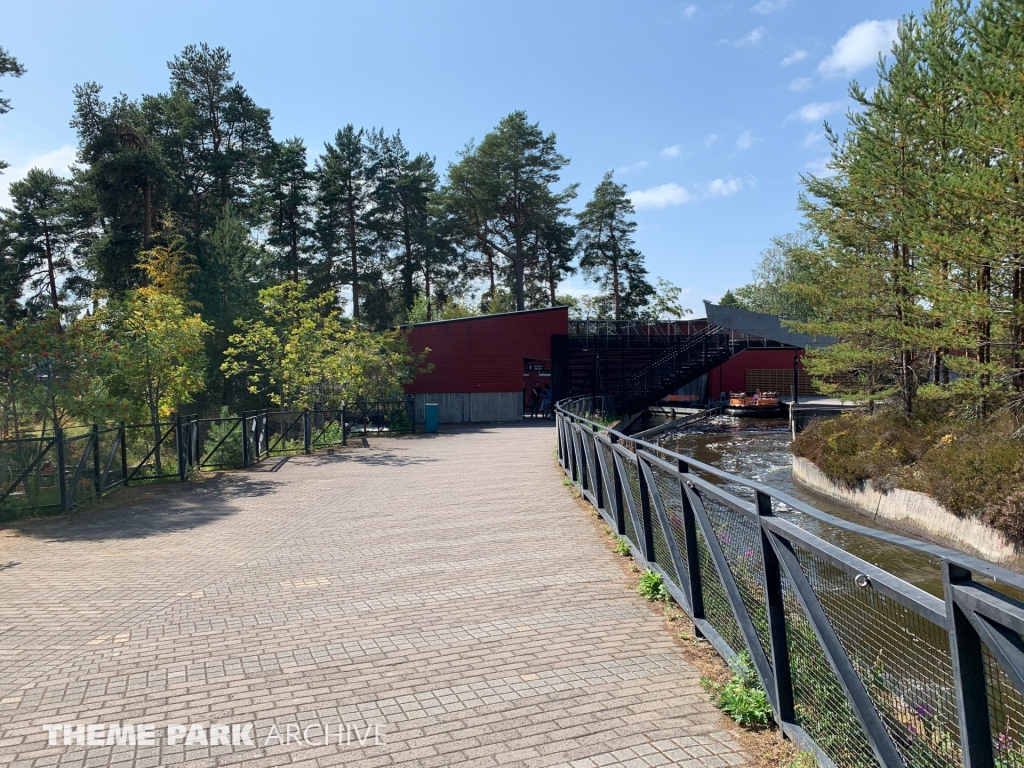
point(859, 665)
point(59, 472)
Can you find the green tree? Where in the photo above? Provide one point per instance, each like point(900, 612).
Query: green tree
point(287, 191)
point(780, 281)
point(155, 355)
point(42, 233)
point(342, 197)
point(8, 66)
point(120, 187)
point(609, 255)
point(500, 194)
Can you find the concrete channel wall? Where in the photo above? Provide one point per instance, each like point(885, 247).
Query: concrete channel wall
point(911, 511)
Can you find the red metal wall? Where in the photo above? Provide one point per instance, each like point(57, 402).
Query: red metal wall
point(484, 354)
point(731, 376)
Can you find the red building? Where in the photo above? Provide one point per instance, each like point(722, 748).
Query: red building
point(483, 365)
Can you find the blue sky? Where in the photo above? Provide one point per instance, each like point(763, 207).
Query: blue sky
point(709, 111)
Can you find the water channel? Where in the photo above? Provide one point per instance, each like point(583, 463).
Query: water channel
point(759, 449)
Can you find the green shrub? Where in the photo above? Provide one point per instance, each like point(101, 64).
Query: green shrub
point(742, 697)
point(229, 454)
point(652, 587)
point(622, 547)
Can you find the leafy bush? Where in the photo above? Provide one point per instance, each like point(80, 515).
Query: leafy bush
point(622, 547)
point(742, 697)
point(652, 587)
point(229, 454)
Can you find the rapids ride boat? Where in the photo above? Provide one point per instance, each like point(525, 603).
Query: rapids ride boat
point(757, 404)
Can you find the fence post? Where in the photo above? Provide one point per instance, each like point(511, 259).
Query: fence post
point(96, 460)
point(341, 421)
point(58, 435)
point(620, 508)
point(124, 455)
point(645, 513)
point(306, 437)
point(245, 441)
point(599, 490)
point(776, 610)
point(968, 675)
point(695, 585)
point(179, 444)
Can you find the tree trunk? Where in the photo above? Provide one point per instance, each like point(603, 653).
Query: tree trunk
point(353, 246)
point(615, 290)
point(51, 273)
point(520, 267)
point(147, 214)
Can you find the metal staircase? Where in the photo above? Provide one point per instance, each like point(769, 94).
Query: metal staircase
point(640, 363)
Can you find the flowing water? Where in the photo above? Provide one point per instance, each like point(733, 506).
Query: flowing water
point(759, 449)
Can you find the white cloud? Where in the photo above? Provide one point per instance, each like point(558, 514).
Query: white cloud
point(577, 291)
point(820, 167)
point(815, 111)
point(858, 48)
point(793, 58)
point(753, 37)
point(638, 165)
point(798, 84)
point(711, 139)
point(57, 161)
point(670, 153)
point(690, 10)
point(813, 138)
point(745, 141)
point(723, 187)
point(661, 196)
point(769, 6)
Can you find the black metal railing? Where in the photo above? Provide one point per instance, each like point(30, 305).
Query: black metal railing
point(60, 471)
point(859, 665)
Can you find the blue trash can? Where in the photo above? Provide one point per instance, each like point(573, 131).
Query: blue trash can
point(430, 417)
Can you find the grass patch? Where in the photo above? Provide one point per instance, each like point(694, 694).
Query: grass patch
point(974, 468)
point(742, 697)
point(651, 587)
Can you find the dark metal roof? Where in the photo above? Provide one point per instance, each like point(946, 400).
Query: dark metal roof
point(764, 326)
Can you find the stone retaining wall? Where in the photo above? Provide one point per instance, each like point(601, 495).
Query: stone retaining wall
point(912, 511)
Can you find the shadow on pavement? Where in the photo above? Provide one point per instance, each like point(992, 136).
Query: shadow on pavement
point(139, 512)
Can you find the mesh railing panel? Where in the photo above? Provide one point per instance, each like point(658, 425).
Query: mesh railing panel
point(662, 555)
point(821, 705)
point(76, 451)
point(740, 539)
point(903, 660)
point(587, 438)
point(608, 478)
point(1006, 713)
point(632, 487)
point(717, 610)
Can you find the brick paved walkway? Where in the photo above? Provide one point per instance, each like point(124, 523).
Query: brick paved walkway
point(444, 588)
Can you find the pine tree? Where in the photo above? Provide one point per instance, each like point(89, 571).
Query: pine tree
point(342, 192)
point(42, 234)
point(287, 195)
point(8, 66)
point(500, 194)
point(610, 257)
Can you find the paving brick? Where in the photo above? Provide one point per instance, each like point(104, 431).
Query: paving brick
point(445, 587)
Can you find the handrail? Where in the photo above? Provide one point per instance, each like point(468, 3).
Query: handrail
point(926, 681)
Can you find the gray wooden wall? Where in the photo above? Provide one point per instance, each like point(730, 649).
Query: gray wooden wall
point(465, 407)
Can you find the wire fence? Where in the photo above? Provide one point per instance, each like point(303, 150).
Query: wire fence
point(860, 667)
point(61, 471)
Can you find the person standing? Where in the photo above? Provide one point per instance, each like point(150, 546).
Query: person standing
point(534, 399)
